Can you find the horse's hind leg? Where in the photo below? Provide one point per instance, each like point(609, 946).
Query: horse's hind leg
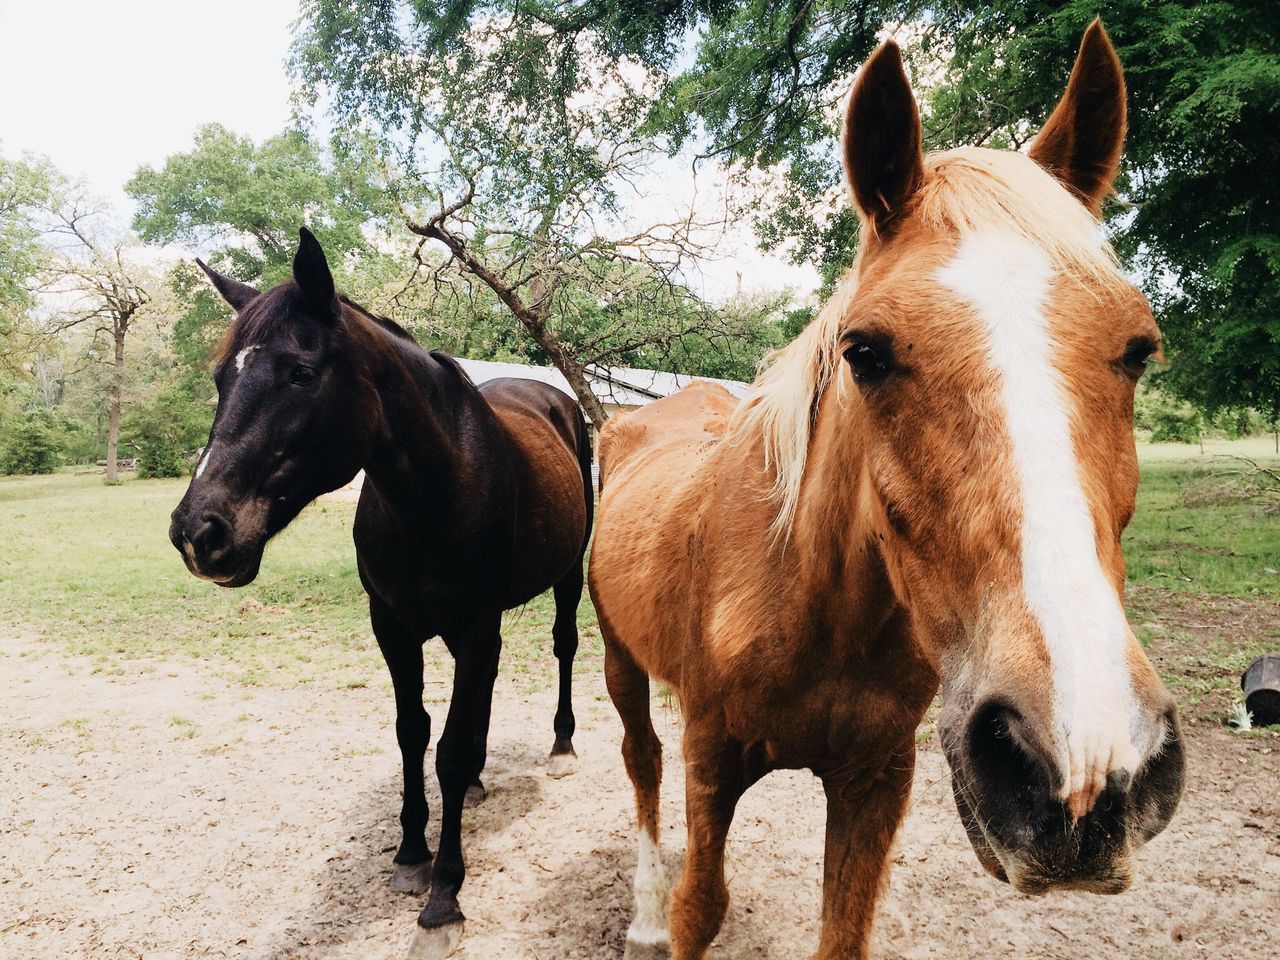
point(648, 935)
point(403, 654)
point(476, 793)
point(568, 594)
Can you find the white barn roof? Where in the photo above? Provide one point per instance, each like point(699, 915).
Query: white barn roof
point(624, 386)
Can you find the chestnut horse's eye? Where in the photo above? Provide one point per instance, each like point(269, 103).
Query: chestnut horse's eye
point(1137, 354)
point(870, 361)
point(300, 376)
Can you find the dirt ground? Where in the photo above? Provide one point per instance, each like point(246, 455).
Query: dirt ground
point(167, 813)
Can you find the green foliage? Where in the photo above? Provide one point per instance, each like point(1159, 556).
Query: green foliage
point(166, 432)
point(1202, 218)
point(32, 445)
point(25, 185)
point(1166, 419)
point(249, 200)
point(1201, 222)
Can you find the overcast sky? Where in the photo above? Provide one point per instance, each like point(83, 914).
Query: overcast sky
point(104, 87)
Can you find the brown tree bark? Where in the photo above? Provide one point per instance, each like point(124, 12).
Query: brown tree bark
point(118, 332)
point(533, 316)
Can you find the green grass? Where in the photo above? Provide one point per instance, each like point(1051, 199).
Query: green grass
point(1227, 549)
point(90, 567)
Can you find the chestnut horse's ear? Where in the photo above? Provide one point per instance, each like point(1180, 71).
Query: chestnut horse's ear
point(311, 274)
point(883, 158)
point(1081, 141)
point(233, 291)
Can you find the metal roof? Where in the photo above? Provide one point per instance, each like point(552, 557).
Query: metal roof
point(624, 386)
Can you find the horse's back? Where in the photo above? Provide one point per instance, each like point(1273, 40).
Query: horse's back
point(674, 427)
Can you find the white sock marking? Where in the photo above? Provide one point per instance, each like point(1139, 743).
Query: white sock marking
point(1007, 278)
point(650, 925)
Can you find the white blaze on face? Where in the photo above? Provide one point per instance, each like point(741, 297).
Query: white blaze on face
point(204, 461)
point(243, 357)
point(650, 925)
point(1006, 279)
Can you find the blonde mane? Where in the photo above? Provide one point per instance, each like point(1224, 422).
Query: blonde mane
point(964, 191)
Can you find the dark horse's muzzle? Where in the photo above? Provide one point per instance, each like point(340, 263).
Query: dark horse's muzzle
point(1007, 793)
point(216, 543)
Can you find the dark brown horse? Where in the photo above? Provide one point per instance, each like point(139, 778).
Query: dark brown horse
point(476, 500)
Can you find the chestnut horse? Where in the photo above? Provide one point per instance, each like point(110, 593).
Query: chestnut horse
point(475, 501)
point(929, 485)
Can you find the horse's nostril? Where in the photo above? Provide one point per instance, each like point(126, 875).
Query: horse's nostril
point(212, 539)
point(1013, 776)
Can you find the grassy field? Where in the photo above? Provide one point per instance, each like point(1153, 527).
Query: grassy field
point(90, 567)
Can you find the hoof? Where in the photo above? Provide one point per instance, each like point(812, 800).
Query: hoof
point(436, 943)
point(562, 764)
point(646, 950)
point(475, 795)
point(412, 878)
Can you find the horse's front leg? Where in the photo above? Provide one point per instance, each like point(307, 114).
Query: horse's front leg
point(459, 757)
point(403, 654)
point(863, 813)
point(716, 776)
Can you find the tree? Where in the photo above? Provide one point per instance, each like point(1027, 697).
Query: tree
point(520, 143)
point(1199, 210)
point(25, 186)
point(95, 279)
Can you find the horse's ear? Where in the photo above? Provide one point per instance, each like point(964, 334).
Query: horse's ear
point(883, 158)
point(1081, 141)
point(311, 274)
point(233, 291)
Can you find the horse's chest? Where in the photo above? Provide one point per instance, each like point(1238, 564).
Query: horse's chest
point(826, 718)
point(430, 593)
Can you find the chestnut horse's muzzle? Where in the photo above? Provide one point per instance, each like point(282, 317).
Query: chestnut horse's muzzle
point(1008, 793)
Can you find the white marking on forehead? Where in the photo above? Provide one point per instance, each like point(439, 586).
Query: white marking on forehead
point(1006, 279)
point(243, 357)
point(204, 461)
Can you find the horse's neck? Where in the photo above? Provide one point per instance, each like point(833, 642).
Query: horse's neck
point(835, 535)
point(436, 432)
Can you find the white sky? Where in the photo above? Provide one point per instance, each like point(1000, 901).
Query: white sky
point(104, 87)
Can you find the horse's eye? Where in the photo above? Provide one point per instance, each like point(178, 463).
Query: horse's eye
point(870, 361)
point(301, 376)
point(1137, 354)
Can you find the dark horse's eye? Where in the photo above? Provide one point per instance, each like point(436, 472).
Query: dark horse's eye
point(1137, 353)
point(301, 376)
point(870, 361)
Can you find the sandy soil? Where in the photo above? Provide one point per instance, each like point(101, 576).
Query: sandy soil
point(169, 814)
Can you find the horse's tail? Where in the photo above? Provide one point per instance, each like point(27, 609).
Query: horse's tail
point(584, 461)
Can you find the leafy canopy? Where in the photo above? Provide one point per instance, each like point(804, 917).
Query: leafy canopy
point(757, 84)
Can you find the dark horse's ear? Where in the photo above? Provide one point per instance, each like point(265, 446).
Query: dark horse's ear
point(311, 274)
point(1081, 141)
point(883, 158)
point(233, 291)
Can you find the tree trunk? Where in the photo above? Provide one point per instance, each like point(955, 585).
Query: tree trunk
point(117, 387)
